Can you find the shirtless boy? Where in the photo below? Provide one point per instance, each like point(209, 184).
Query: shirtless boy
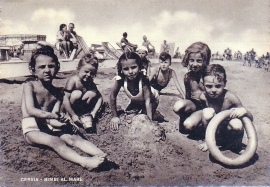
point(41, 103)
point(216, 99)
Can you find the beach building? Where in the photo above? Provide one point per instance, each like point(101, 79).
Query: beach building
point(25, 42)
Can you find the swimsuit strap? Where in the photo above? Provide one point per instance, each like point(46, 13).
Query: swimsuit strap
point(135, 97)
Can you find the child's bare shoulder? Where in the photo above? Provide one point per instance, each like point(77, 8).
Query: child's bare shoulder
point(230, 96)
point(71, 81)
point(30, 84)
point(203, 97)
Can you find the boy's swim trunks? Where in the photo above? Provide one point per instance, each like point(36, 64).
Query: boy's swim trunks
point(29, 124)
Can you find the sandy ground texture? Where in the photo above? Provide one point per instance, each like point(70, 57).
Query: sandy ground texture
point(140, 153)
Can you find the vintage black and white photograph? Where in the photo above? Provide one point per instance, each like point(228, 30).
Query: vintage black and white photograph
point(134, 93)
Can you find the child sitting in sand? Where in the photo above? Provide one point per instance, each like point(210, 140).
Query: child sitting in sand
point(82, 97)
point(162, 75)
point(136, 86)
point(216, 99)
point(197, 56)
point(142, 52)
point(41, 103)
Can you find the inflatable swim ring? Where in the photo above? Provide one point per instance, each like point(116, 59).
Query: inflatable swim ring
point(214, 150)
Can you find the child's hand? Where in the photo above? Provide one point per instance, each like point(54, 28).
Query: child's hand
point(115, 121)
point(238, 112)
point(53, 116)
point(56, 123)
point(76, 120)
point(64, 118)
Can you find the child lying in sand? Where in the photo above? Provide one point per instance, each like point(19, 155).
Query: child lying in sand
point(41, 103)
point(161, 76)
point(216, 99)
point(82, 97)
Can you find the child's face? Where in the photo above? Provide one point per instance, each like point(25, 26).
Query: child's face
point(164, 64)
point(130, 68)
point(142, 53)
point(87, 72)
point(45, 68)
point(214, 85)
point(195, 62)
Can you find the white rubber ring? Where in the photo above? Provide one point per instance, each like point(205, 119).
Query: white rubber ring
point(210, 139)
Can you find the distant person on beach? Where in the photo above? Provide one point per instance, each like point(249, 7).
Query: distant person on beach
point(63, 39)
point(72, 37)
point(42, 123)
point(165, 47)
point(161, 76)
point(216, 99)
point(247, 59)
point(177, 53)
point(82, 97)
point(126, 45)
point(147, 44)
point(146, 64)
point(197, 56)
point(136, 86)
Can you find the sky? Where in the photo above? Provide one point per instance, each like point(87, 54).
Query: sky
point(237, 24)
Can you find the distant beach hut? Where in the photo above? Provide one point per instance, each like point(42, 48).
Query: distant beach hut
point(4, 50)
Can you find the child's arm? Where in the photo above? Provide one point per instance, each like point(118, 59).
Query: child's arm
point(238, 110)
point(148, 68)
point(31, 109)
point(151, 44)
point(182, 95)
point(203, 101)
point(97, 106)
point(152, 75)
point(68, 89)
point(187, 85)
point(147, 97)
point(115, 121)
point(56, 110)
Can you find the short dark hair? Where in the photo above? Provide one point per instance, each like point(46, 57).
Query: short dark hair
point(164, 55)
point(44, 50)
point(62, 26)
point(215, 70)
point(124, 34)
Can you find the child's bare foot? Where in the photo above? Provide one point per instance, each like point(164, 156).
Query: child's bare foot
point(102, 155)
point(203, 147)
point(92, 162)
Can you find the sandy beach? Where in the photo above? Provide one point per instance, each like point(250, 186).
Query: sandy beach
point(137, 160)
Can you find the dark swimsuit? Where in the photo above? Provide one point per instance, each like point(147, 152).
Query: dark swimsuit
point(155, 84)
